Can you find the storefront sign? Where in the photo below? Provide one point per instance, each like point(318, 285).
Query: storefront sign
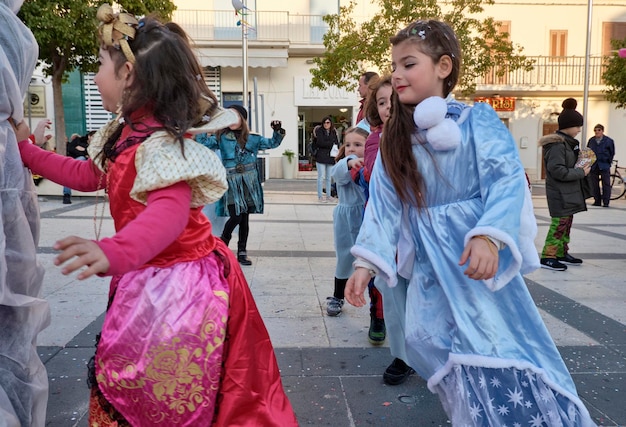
point(498, 103)
point(35, 102)
point(305, 95)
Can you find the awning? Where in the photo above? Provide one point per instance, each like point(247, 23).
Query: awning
point(257, 58)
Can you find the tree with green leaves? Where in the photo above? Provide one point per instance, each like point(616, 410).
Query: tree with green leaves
point(614, 75)
point(66, 33)
point(352, 47)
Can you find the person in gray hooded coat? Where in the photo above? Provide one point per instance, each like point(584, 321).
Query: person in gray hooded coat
point(23, 313)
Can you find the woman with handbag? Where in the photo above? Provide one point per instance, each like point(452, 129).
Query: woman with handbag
point(325, 139)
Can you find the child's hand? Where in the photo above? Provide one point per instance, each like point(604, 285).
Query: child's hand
point(22, 131)
point(85, 253)
point(483, 256)
point(355, 163)
point(355, 288)
point(40, 132)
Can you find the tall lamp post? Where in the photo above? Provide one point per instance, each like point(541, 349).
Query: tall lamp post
point(586, 81)
point(240, 7)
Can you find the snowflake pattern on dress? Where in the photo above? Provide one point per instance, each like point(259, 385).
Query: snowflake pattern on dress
point(504, 397)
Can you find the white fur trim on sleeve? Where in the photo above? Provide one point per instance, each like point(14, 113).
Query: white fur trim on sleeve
point(502, 277)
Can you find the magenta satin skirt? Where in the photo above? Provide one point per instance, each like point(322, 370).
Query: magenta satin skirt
point(159, 358)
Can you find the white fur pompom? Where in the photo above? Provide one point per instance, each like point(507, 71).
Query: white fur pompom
point(429, 112)
point(444, 136)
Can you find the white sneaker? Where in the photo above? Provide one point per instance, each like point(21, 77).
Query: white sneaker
point(323, 199)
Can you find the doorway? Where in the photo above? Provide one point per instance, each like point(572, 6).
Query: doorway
point(548, 128)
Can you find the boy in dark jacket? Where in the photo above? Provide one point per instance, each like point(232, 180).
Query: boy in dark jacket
point(564, 186)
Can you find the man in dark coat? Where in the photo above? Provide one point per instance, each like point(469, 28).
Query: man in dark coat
point(564, 186)
point(604, 148)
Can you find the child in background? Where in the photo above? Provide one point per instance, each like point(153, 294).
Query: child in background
point(348, 213)
point(377, 111)
point(564, 186)
point(238, 150)
point(442, 214)
point(181, 332)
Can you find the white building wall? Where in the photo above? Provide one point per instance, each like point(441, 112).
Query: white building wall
point(531, 22)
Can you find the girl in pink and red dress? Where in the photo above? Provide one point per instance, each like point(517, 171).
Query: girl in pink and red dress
point(182, 343)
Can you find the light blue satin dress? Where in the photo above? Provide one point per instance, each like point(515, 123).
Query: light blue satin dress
point(481, 345)
point(347, 216)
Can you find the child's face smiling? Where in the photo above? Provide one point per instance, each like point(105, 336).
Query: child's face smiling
point(355, 144)
point(415, 76)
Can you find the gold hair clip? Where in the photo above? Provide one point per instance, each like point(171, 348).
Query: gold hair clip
point(116, 28)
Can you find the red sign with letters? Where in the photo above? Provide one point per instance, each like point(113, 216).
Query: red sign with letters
point(498, 103)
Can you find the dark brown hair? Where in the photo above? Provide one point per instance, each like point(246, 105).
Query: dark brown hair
point(241, 134)
point(167, 80)
point(371, 105)
point(434, 39)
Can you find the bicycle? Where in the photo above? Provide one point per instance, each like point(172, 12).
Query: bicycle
point(618, 187)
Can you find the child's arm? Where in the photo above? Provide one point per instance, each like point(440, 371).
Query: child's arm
point(267, 143)
point(209, 141)
point(77, 174)
point(355, 167)
point(167, 210)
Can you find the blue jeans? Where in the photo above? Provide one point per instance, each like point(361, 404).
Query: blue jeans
point(66, 190)
point(323, 173)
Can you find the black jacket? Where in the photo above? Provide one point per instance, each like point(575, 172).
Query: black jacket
point(324, 141)
point(73, 151)
point(564, 182)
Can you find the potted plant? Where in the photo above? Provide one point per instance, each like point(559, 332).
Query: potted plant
point(288, 164)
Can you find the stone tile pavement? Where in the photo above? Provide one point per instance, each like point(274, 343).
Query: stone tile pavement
point(332, 375)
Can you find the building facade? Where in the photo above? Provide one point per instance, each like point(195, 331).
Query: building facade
point(281, 39)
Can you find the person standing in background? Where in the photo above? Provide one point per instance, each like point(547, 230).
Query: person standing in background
point(604, 148)
point(76, 149)
point(239, 149)
point(564, 186)
point(325, 138)
point(363, 89)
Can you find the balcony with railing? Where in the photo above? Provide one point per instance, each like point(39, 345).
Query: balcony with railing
point(305, 33)
point(549, 73)
point(207, 27)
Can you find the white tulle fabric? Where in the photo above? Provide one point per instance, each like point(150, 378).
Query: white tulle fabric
point(476, 396)
point(23, 313)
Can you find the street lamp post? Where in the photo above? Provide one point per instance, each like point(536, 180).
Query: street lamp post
point(244, 42)
point(587, 77)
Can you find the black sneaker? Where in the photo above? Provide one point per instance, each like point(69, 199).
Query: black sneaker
point(397, 372)
point(552, 264)
point(568, 259)
point(243, 259)
point(67, 199)
point(333, 306)
point(377, 332)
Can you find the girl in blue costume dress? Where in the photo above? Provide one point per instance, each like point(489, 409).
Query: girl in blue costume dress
point(348, 214)
point(449, 211)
